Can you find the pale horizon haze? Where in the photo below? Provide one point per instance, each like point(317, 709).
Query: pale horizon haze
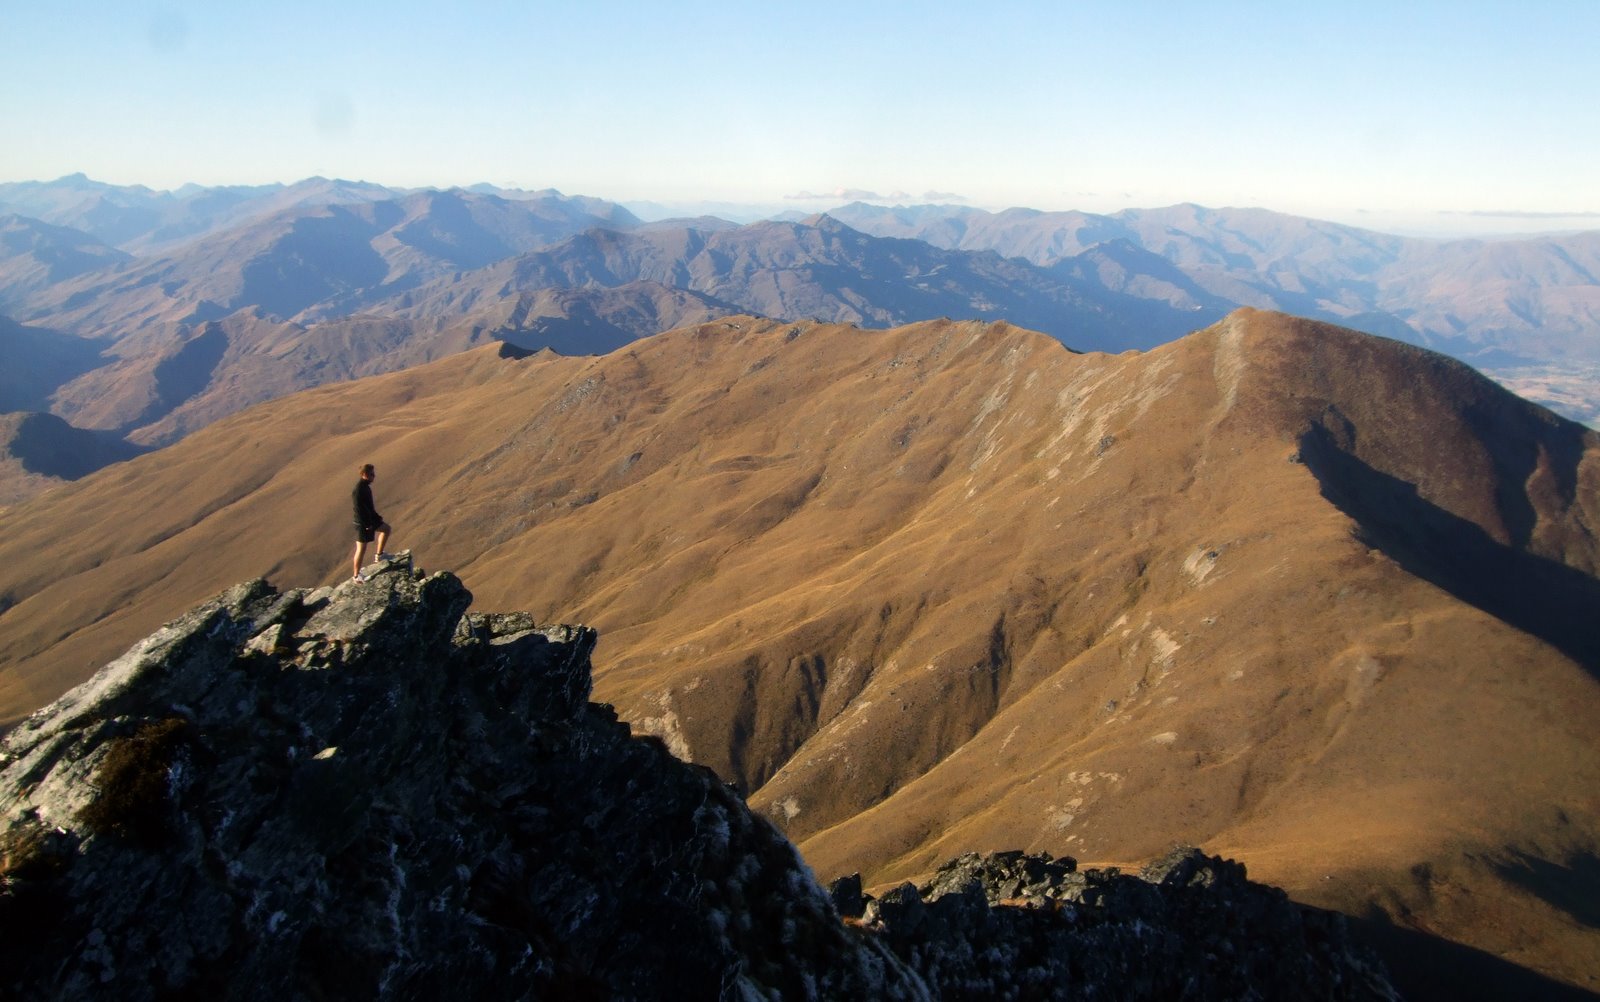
point(1420, 117)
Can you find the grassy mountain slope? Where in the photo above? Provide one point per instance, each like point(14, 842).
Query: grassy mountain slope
point(1310, 597)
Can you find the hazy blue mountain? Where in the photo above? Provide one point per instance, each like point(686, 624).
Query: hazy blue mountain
point(820, 269)
point(142, 220)
point(1491, 302)
point(35, 255)
point(129, 214)
point(321, 260)
point(1498, 302)
point(38, 360)
point(340, 291)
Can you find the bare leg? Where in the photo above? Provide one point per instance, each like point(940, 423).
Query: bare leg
point(361, 551)
point(383, 537)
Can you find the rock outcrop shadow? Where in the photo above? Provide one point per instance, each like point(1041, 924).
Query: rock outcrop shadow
point(1573, 887)
point(1427, 968)
point(1535, 594)
point(47, 445)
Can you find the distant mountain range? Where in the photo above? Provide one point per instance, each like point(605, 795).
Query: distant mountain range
point(1317, 600)
point(148, 314)
point(142, 221)
point(1489, 302)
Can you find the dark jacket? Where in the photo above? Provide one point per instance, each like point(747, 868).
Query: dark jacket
point(367, 516)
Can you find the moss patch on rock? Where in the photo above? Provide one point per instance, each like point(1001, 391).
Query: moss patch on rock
point(134, 782)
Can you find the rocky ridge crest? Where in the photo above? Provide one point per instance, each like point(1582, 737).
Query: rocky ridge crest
point(366, 792)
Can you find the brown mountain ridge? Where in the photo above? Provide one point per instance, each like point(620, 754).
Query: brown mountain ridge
point(1311, 598)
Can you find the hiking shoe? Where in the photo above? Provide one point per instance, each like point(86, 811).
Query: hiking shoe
point(386, 557)
point(360, 579)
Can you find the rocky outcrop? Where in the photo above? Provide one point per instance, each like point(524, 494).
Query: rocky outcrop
point(1187, 926)
point(363, 793)
point(367, 792)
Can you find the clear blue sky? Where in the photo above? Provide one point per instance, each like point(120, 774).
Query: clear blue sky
point(1353, 111)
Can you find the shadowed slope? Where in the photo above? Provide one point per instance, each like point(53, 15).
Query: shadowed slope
point(39, 451)
point(38, 361)
point(221, 367)
point(952, 587)
point(34, 255)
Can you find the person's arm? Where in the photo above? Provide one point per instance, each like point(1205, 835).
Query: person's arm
point(364, 506)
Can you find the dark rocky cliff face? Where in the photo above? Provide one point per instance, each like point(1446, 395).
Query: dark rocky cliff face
point(363, 792)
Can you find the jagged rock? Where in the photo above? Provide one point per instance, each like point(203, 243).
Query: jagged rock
point(364, 792)
point(847, 896)
point(1005, 876)
point(1189, 926)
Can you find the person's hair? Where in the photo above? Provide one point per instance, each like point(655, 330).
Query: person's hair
point(366, 468)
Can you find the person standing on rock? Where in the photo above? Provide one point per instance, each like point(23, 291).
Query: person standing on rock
point(368, 522)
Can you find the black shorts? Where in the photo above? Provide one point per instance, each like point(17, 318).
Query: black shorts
point(365, 533)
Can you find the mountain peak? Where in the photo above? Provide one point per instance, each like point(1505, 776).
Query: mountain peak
point(825, 222)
